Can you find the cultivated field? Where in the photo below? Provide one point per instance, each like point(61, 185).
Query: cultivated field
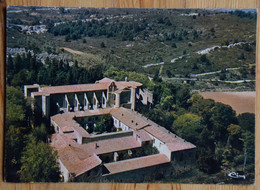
point(241, 102)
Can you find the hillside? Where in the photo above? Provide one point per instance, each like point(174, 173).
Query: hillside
point(175, 43)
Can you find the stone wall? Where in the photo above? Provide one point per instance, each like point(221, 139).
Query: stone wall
point(107, 136)
point(65, 173)
point(141, 175)
point(94, 175)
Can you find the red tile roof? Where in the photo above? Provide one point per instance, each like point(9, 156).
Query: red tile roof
point(80, 151)
point(60, 141)
point(76, 159)
point(99, 85)
point(136, 163)
point(141, 125)
point(142, 134)
point(178, 146)
point(127, 84)
point(113, 145)
point(72, 136)
point(80, 158)
point(67, 124)
point(105, 80)
point(67, 129)
point(86, 165)
point(71, 89)
point(130, 118)
point(162, 134)
point(172, 141)
point(74, 164)
point(65, 121)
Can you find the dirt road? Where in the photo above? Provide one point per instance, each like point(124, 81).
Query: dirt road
point(73, 51)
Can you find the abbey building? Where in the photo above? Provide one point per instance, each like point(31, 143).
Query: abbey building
point(126, 147)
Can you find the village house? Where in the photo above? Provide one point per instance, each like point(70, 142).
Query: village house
point(119, 156)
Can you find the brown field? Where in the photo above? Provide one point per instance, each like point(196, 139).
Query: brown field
point(241, 102)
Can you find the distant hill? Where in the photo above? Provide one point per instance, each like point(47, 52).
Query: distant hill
point(143, 40)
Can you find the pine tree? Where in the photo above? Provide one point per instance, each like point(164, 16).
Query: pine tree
point(39, 163)
point(17, 63)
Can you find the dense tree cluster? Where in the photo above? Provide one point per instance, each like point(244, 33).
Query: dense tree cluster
point(223, 139)
point(95, 28)
point(104, 124)
point(27, 155)
point(124, 29)
point(38, 163)
point(222, 134)
point(26, 69)
point(243, 14)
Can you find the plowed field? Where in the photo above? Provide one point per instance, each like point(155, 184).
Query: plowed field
point(241, 102)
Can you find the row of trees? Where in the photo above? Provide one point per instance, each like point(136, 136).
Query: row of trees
point(26, 69)
point(243, 14)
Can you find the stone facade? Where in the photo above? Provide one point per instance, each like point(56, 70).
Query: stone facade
point(102, 94)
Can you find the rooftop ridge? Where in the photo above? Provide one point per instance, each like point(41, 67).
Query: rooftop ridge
point(136, 163)
point(102, 84)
